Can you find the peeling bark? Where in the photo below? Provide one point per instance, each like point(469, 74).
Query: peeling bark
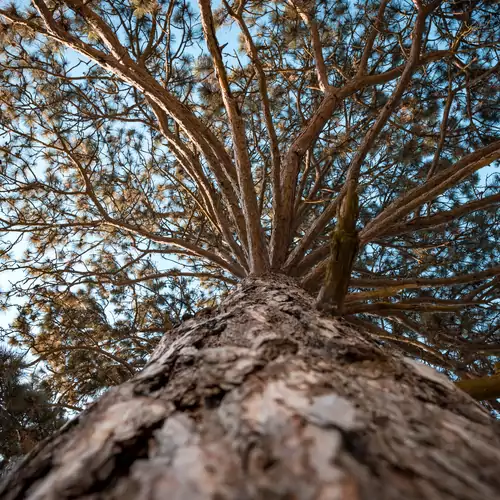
point(268, 399)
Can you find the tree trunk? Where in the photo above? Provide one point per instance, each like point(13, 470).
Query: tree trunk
point(265, 398)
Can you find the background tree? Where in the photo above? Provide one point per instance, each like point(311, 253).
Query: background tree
point(351, 147)
point(26, 414)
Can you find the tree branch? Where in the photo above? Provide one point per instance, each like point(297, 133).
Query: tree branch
point(305, 12)
point(407, 305)
point(421, 348)
point(484, 388)
point(415, 283)
point(266, 107)
point(258, 255)
point(367, 52)
point(440, 218)
point(436, 185)
point(353, 173)
point(194, 169)
point(44, 355)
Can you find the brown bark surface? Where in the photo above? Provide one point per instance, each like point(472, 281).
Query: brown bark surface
point(267, 399)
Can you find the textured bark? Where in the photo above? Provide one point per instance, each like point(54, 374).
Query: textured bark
point(267, 399)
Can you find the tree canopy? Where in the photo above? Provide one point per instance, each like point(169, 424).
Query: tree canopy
point(155, 152)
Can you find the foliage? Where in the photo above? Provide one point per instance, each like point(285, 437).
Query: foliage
point(87, 340)
point(154, 153)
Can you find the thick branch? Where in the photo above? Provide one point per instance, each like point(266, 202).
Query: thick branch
point(343, 252)
point(369, 140)
point(266, 107)
point(306, 14)
point(256, 248)
point(484, 388)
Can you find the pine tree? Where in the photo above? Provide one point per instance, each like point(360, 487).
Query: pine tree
point(26, 414)
point(274, 217)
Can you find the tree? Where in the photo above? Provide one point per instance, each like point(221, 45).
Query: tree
point(328, 178)
point(26, 414)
